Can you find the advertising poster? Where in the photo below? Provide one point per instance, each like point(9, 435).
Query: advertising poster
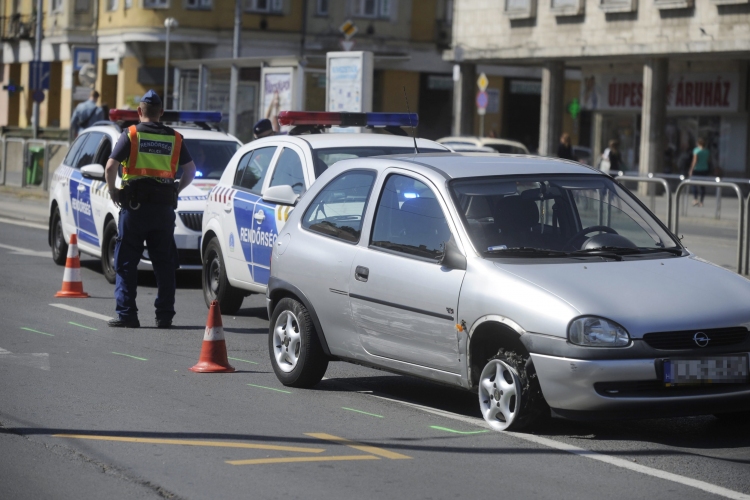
point(345, 87)
point(276, 94)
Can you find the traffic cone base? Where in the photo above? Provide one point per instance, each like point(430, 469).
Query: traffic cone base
point(213, 358)
point(72, 286)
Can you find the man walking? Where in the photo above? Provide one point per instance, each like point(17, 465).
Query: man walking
point(86, 114)
point(149, 153)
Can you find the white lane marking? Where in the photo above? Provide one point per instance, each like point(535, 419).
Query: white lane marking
point(25, 251)
point(35, 360)
point(82, 311)
point(575, 450)
point(23, 223)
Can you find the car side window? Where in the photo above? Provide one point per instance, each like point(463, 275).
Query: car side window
point(88, 151)
point(409, 219)
point(338, 208)
point(252, 169)
point(288, 171)
point(105, 149)
point(75, 148)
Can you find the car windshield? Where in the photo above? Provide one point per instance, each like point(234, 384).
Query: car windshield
point(325, 157)
point(547, 215)
point(210, 156)
point(507, 148)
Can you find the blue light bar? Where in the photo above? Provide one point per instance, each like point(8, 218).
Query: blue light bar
point(191, 116)
point(323, 119)
point(392, 119)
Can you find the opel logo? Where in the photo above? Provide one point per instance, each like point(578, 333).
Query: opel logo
point(701, 339)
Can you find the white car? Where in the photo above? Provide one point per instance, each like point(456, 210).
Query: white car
point(260, 186)
point(79, 200)
point(499, 145)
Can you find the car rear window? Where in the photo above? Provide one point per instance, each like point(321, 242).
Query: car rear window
point(210, 157)
point(325, 157)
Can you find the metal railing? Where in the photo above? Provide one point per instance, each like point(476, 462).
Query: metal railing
point(22, 167)
point(651, 179)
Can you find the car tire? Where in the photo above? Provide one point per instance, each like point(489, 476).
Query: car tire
point(510, 397)
point(293, 345)
point(215, 283)
point(108, 251)
point(59, 245)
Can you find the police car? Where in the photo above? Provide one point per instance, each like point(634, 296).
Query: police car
point(79, 199)
point(262, 183)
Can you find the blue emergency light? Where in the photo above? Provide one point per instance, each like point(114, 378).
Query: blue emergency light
point(168, 116)
point(348, 119)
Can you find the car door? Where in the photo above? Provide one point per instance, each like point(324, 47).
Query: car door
point(239, 209)
point(269, 218)
point(63, 175)
point(403, 301)
point(80, 194)
point(99, 192)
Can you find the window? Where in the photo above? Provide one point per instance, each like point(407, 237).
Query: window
point(112, 5)
point(325, 157)
point(56, 5)
point(199, 4)
point(82, 5)
point(70, 158)
point(610, 6)
point(128, 4)
point(372, 8)
point(288, 172)
point(321, 8)
point(155, 4)
point(409, 219)
point(567, 7)
point(520, 9)
point(104, 151)
point(252, 169)
point(338, 209)
point(673, 4)
point(273, 6)
point(210, 157)
point(89, 149)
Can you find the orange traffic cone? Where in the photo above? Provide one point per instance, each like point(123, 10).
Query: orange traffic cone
point(72, 286)
point(214, 352)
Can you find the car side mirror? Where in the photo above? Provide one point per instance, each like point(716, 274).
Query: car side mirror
point(452, 257)
point(283, 195)
point(93, 171)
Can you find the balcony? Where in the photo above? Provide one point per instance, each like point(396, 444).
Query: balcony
point(17, 27)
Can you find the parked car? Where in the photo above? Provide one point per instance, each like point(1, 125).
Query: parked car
point(252, 201)
point(79, 200)
point(499, 145)
point(539, 283)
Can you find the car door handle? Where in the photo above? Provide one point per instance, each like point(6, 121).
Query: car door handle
point(259, 216)
point(361, 273)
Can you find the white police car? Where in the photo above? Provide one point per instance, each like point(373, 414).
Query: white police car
point(262, 183)
point(79, 199)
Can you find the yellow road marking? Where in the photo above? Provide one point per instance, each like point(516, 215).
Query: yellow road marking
point(220, 444)
point(358, 446)
point(289, 460)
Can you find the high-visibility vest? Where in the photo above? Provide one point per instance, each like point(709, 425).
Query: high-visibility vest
point(151, 155)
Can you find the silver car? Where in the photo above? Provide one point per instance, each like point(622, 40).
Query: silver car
point(541, 284)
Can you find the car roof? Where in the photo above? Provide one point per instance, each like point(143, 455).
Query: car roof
point(187, 132)
point(342, 140)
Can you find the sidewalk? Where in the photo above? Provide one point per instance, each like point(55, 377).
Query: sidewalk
point(27, 204)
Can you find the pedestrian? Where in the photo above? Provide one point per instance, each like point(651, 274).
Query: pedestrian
point(699, 166)
point(150, 154)
point(263, 128)
point(564, 149)
point(611, 159)
point(86, 114)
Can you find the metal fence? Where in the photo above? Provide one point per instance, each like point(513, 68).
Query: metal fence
point(30, 162)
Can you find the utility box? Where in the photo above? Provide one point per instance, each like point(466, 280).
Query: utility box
point(349, 77)
point(35, 168)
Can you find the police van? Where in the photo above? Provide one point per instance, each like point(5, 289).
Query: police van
point(262, 183)
point(79, 199)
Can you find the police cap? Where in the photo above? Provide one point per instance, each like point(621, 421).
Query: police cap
point(151, 97)
point(262, 126)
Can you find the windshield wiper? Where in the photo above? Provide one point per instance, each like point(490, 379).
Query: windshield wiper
point(632, 251)
point(673, 251)
point(525, 251)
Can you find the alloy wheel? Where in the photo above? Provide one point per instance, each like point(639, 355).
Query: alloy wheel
point(286, 341)
point(499, 394)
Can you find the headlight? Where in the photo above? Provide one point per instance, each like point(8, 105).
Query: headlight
point(591, 331)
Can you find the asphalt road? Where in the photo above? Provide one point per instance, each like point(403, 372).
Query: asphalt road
point(92, 412)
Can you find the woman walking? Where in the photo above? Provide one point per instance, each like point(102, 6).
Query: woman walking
point(699, 167)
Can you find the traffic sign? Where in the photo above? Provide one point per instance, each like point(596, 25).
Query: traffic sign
point(349, 29)
point(482, 100)
point(39, 75)
point(12, 88)
point(347, 45)
point(38, 95)
point(482, 83)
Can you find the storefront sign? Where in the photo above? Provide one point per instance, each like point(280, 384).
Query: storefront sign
point(685, 92)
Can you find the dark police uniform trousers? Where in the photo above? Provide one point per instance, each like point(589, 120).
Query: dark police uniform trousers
point(154, 224)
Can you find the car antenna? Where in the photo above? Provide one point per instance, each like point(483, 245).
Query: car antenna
point(413, 132)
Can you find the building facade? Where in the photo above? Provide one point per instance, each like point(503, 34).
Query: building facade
point(654, 75)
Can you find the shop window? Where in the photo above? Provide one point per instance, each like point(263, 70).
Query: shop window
point(321, 8)
point(611, 6)
point(56, 5)
point(673, 4)
point(82, 5)
point(567, 7)
point(372, 9)
point(155, 4)
point(270, 6)
point(199, 4)
point(520, 9)
point(128, 4)
point(112, 5)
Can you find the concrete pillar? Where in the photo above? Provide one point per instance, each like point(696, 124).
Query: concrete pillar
point(550, 122)
point(654, 117)
point(464, 90)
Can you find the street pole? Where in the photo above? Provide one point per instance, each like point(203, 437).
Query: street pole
point(234, 78)
point(169, 23)
point(37, 65)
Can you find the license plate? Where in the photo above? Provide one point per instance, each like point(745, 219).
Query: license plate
point(713, 370)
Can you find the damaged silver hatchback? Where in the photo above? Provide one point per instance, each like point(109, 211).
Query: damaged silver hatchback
point(540, 284)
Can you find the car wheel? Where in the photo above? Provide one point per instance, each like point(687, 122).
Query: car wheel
point(215, 283)
point(59, 245)
point(296, 354)
point(509, 394)
point(108, 251)
point(735, 418)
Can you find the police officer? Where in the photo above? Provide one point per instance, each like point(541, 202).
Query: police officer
point(263, 128)
point(149, 153)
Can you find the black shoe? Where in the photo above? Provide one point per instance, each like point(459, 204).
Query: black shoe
point(163, 323)
point(124, 323)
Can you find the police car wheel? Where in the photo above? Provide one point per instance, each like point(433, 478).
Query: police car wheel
point(108, 251)
point(215, 283)
point(59, 245)
point(293, 345)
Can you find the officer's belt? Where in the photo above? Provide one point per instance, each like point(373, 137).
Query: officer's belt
point(148, 191)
